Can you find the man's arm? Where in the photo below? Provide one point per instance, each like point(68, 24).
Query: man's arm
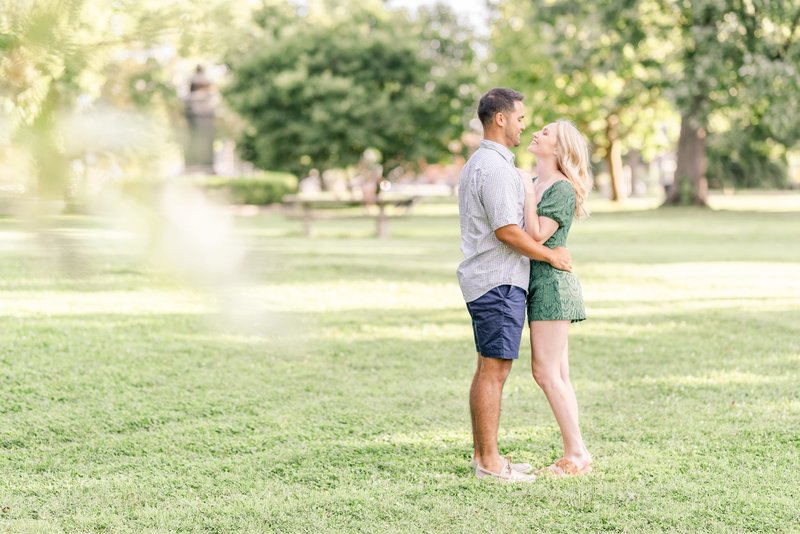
point(516, 238)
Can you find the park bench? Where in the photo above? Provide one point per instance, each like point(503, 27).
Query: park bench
point(311, 205)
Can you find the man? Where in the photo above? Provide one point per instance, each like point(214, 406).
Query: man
point(494, 274)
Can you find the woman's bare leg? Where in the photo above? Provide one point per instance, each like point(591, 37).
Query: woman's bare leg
point(550, 365)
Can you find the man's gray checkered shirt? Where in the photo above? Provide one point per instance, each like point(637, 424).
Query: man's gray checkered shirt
point(490, 196)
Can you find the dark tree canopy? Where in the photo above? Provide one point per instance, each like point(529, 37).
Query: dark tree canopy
point(737, 86)
point(727, 69)
point(320, 90)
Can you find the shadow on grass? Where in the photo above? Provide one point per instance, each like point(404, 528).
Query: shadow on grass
point(366, 381)
point(373, 422)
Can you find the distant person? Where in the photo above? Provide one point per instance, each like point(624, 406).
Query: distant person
point(552, 200)
point(311, 184)
point(494, 274)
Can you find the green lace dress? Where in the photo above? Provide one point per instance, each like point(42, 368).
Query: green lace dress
point(555, 295)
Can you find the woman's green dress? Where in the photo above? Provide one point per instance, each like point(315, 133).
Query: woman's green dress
point(555, 295)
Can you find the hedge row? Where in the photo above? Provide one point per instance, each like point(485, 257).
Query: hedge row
point(260, 189)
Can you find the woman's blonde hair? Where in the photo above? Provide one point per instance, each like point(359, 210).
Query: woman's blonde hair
point(572, 158)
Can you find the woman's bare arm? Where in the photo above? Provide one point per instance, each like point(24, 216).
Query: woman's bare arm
point(539, 228)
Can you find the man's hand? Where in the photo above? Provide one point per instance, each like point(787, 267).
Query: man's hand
point(513, 236)
point(560, 259)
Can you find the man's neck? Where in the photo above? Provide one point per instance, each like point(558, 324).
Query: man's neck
point(496, 138)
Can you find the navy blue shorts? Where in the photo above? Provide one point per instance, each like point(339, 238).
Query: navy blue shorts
point(497, 319)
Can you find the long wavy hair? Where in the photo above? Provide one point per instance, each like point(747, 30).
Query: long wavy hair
point(572, 158)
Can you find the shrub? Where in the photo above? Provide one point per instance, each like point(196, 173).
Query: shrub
point(741, 159)
point(260, 189)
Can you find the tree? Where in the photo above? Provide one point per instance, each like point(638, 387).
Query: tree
point(61, 57)
point(338, 79)
point(727, 67)
point(741, 158)
point(738, 69)
point(596, 63)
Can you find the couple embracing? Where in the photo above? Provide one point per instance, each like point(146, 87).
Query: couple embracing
point(513, 233)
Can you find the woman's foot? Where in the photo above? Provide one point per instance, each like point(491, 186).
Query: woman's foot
point(571, 465)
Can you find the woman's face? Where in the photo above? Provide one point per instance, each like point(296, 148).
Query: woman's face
point(544, 141)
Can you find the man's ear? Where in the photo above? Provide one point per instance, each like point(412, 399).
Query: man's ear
point(500, 118)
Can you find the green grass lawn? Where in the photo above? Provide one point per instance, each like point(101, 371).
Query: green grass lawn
point(325, 390)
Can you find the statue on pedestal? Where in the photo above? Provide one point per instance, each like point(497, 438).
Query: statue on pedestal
point(200, 108)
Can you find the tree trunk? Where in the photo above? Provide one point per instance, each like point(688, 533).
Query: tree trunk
point(638, 171)
point(614, 159)
point(690, 186)
point(51, 165)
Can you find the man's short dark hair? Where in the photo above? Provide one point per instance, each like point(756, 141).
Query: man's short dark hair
point(497, 100)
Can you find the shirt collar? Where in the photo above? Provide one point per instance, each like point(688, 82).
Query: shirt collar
point(500, 149)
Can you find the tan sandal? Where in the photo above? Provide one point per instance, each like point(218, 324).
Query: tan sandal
point(564, 467)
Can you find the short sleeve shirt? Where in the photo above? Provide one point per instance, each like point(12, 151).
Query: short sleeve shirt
point(490, 196)
point(558, 203)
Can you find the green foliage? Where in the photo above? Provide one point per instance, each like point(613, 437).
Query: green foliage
point(595, 63)
point(128, 407)
point(738, 72)
point(100, 49)
point(261, 189)
point(738, 61)
point(738, 159)
point(62, 58)
point(321, 88)
point(724, 65)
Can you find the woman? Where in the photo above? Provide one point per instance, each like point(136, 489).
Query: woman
point(554, 297)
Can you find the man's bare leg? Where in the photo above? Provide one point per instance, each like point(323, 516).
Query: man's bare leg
point(484, 401)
